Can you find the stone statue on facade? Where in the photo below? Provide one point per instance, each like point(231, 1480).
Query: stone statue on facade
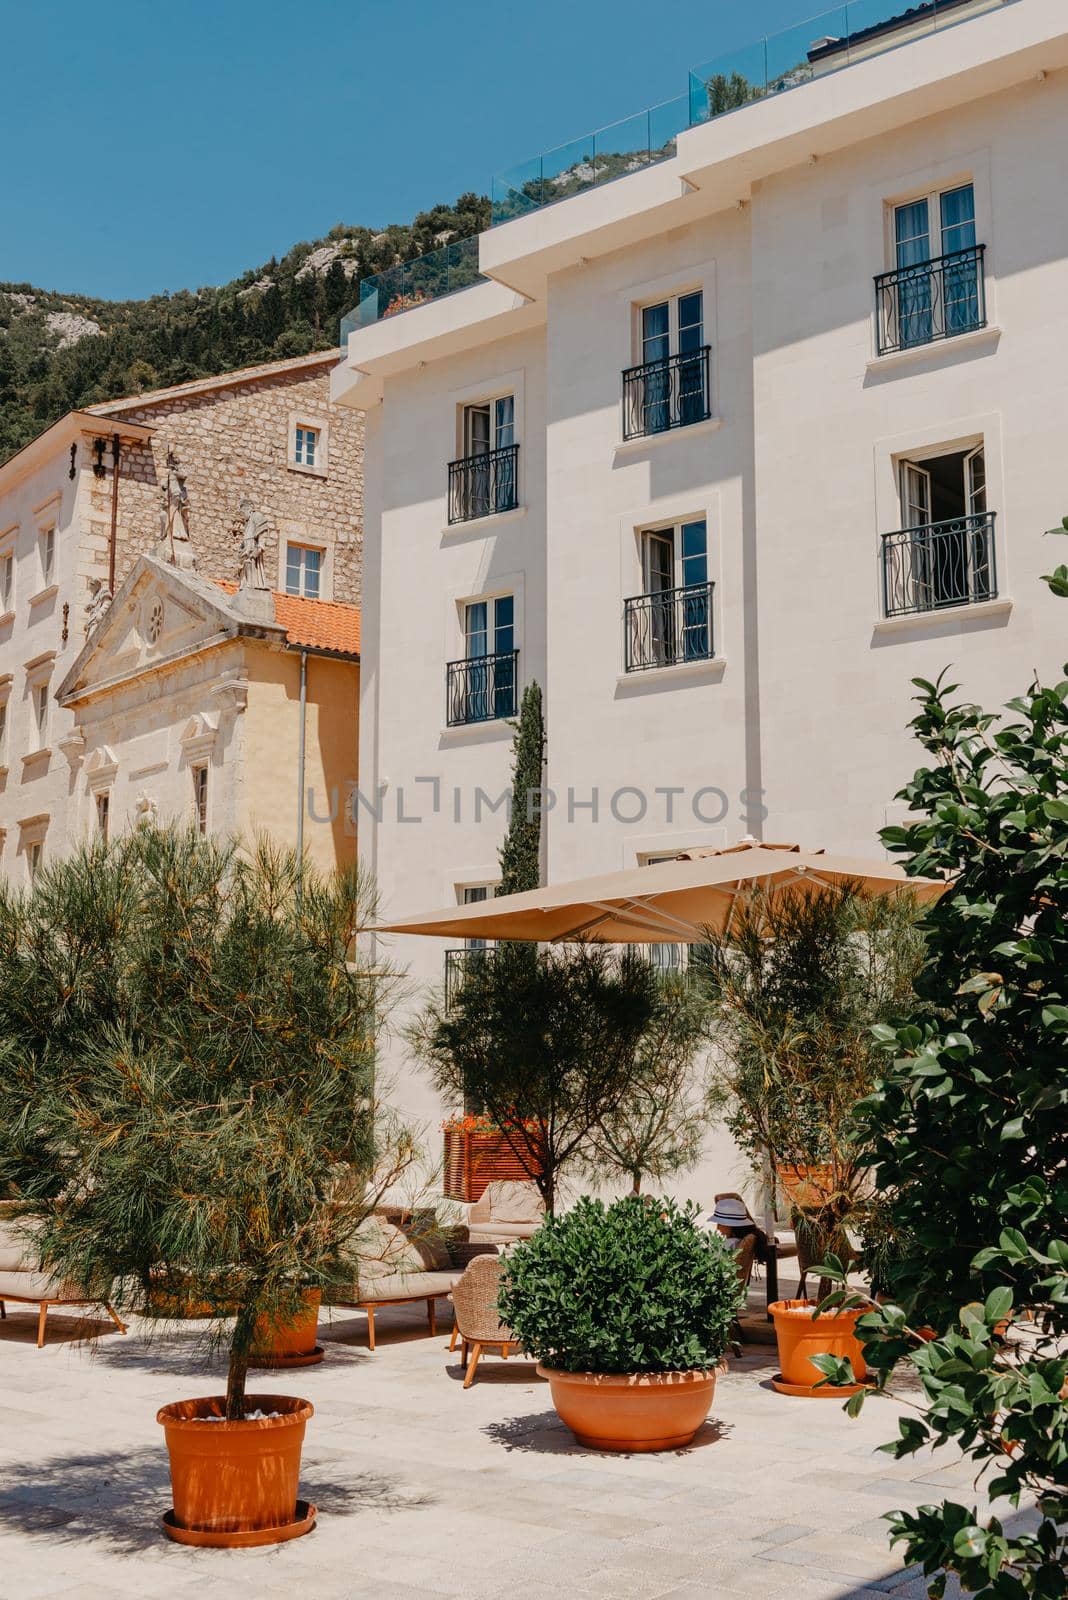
point(146, 810)
point(174, 545)
point(98, 607)
point(254, 548)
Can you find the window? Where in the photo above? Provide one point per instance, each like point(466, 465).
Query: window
point(39, 697)
point(936, 287)
point(484, 481)
point(7, 582)
point(34, 852)
point(3, 733)
point(670, 622)
point(304, 566)
point(669, 387)
point(666, 959)
point(103, 814)
point(200, 797)
point(307, 448)
point(47, 548)
point(305, 445)
point(459, 962)
point(482, 686)
point(943, 554)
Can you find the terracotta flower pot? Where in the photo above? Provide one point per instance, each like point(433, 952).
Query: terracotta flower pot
point(292, 1343)
point(235, 1483)
point(632, 1411)
point(801, 1336)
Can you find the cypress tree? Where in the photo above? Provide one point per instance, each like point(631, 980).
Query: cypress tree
point(520, 854)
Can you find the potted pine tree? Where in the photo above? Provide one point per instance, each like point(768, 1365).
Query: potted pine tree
point(190, 1051)
point(628, 1309)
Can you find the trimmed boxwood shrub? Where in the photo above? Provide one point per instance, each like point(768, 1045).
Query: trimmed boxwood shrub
point(631, 1287)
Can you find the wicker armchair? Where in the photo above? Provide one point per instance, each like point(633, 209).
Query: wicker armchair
point(474, 1300)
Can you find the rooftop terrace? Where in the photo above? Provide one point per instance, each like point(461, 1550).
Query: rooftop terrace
point(826, 43)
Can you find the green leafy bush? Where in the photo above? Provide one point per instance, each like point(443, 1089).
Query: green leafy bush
point(968, 1131)
point(632, 1287)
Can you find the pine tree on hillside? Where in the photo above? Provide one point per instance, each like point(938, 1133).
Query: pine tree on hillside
point(188, 335)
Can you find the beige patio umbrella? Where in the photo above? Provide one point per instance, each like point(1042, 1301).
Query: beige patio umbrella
point(669, 902)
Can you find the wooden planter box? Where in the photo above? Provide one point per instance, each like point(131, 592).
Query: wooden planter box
point(808, 1188)
point(475, 1160)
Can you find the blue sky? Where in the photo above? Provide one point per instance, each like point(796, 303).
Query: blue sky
point(152, 146)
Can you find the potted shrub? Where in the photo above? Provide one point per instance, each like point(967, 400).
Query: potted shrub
point(194, 1058)
point(628, 1310)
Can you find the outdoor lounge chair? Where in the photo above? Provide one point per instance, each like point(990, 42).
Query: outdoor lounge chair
point(22, 1281)
point(509, 1210)
point(394, 1268)
point(475, 1301)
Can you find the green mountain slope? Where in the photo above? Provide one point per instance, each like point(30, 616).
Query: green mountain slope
point(62, 351)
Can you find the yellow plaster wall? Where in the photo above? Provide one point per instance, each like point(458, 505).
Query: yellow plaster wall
point(272, 737)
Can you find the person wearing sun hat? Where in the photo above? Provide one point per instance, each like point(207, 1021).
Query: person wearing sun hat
point(732, 1220)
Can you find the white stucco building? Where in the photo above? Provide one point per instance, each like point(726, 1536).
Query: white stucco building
point(742, 441)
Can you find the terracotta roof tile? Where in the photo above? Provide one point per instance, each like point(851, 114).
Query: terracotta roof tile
point(317, 624)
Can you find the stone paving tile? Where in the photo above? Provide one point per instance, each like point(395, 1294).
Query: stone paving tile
point(627, 1581)
point(427, 1490)
point(746, 1582)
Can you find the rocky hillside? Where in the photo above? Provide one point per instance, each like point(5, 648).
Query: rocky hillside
point(61, 351)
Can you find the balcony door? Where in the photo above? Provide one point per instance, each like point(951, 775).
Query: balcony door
point(944, 508)
point(670, 328)
point(488, 429)
point(673, 622)
point(658, 582)
point(489, 646)
point(921, 287)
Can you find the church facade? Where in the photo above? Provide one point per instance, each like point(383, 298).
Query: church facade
point(182, 475)
point(233, 708)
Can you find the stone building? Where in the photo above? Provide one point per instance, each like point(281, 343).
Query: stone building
point(173, 474)
point(188, 704)
point(269, 434)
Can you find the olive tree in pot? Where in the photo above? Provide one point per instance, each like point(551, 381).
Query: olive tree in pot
point(189, 1039)
point(795, 989)
point(546, 1043)
point(628, 1310)
point(657, 1130)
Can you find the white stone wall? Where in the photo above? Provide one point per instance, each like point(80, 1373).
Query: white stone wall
point(806, 711)
point(143, 725)
point(35, 783)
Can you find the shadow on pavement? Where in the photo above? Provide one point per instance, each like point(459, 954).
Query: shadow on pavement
point(545, 1433)
point(115, 1501)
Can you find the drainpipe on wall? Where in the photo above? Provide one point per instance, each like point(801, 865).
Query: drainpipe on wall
point(114, 512)
point(300, 770)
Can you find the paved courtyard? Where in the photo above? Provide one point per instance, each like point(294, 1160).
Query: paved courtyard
point(425, 1490)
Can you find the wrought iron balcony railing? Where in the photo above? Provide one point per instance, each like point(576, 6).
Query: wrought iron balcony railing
point(666, 394)
point(485, 484)
point(940, 564)
point(930, 301)
point(481, 688)
point(668, 628)
point(458, 963)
